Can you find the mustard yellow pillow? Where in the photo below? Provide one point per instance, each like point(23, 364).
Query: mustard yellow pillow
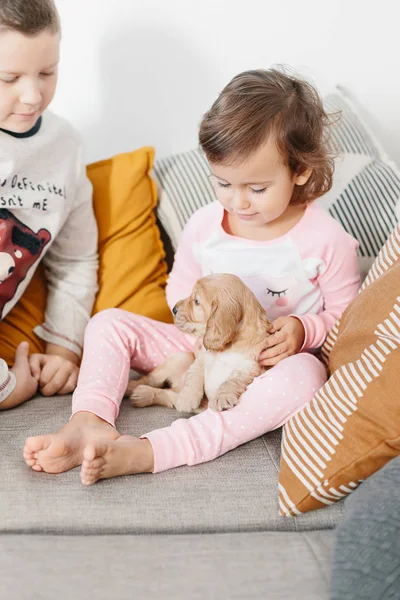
point(132, 271)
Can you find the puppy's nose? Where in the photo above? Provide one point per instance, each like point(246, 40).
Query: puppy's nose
point(174, 310)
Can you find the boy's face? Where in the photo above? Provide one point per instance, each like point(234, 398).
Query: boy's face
point(28, 77)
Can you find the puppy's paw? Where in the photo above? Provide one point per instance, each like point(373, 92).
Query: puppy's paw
point(223, 401)
point(131, 387)
point(187, 405)
point(142, 395)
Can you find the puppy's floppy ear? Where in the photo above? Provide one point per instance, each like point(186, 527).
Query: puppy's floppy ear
point(221, 325)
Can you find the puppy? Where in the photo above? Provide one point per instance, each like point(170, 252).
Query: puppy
point(233, 327)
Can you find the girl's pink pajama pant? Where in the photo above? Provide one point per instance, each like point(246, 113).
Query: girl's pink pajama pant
point(117, 340)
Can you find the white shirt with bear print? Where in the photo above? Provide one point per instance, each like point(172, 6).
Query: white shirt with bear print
point(46, 214)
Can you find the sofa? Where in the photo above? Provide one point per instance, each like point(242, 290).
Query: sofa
point(195, 532)
point(210, 531)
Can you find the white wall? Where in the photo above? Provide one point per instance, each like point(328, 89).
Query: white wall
point(142, 72)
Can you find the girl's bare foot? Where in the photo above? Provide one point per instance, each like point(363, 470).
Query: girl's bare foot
point(61, 451)
point(125, 456)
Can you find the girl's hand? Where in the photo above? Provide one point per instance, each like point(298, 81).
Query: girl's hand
point(286, 339)
point(55, 374)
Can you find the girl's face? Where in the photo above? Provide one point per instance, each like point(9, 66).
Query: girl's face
point(258, 191)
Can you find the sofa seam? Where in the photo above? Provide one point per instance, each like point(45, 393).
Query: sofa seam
point(309, 544)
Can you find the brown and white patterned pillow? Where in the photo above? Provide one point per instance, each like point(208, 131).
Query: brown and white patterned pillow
point(352, 426)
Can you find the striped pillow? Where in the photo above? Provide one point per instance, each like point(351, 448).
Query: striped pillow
point(365, 190)
point(183, 187)
point(352, 426)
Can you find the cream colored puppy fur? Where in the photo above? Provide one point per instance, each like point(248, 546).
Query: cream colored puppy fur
point(232, 325)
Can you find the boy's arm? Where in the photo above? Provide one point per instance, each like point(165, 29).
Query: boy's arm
point(71, 265)
point(61, 351)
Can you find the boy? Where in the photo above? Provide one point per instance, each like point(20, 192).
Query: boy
point(45, 204)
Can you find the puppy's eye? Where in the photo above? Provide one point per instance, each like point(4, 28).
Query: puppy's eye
point(196, 301)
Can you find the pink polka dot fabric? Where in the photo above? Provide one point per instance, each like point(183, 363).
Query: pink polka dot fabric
point(268, 403)
point(116, 341)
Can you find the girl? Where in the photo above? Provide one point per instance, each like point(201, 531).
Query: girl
point(265, 143)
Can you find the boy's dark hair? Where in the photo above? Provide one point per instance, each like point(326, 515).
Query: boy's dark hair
point(29, 16)
point(256, 104)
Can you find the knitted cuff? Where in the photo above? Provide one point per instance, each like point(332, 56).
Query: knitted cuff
point(7, 381)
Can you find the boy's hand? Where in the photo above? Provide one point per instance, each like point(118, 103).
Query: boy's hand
point(55, 374)
point(26, 384)
point(286, 339)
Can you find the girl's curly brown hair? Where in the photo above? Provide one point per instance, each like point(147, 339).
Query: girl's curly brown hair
point(256, 104)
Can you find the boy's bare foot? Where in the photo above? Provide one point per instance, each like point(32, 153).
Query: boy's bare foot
point(61, 451)
point(125, 456)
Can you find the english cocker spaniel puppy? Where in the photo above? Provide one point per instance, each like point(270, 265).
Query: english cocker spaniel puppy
point(232, 325)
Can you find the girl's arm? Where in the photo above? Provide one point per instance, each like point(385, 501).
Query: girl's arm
point(186, 270)
point(339, 283)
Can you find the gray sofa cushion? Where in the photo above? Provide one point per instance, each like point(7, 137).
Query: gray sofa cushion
point(237, 492)
point(254, 566)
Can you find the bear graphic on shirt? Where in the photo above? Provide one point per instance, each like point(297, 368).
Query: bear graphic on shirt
point(20, 248)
